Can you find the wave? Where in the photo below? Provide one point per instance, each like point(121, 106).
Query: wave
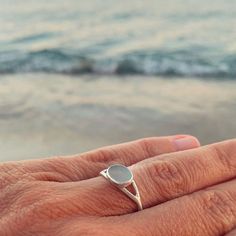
point(156, 62)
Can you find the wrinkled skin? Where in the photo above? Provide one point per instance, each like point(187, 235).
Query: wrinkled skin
point(184, 192)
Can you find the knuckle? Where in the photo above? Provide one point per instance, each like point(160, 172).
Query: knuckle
point(99, 156)
point(59, 169)
point(219, 206)
point(170, 177)
point(226, 154)
point(9, 174)
point(51, 176)
point(146, 145)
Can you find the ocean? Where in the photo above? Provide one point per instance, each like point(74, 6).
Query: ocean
point(149, 37)
point(76, 75)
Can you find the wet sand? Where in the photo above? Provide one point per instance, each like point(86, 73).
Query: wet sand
point(43, 115)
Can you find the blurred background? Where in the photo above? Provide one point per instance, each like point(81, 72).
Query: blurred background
point(76, 75)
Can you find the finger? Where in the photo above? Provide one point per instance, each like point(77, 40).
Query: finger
point(87, 165)
point(161, 179)
point(208, 212)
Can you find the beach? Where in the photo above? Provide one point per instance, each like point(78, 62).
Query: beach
point(77, 75)
point(45, 115)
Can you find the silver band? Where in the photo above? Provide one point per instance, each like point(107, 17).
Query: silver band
point(122, 177)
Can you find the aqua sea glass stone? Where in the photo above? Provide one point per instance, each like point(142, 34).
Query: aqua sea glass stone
point(119, 174)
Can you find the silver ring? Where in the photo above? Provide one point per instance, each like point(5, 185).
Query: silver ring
point(120, 176)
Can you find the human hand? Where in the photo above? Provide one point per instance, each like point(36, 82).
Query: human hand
point(51, 196)
point(185, 193)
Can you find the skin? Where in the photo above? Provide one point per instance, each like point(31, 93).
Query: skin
point(184, 192)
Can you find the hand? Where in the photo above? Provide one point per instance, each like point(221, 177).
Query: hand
point(52, 196)
point(185, 193)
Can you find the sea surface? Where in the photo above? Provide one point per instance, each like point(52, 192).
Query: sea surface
point(149, 37)
point(77, 75)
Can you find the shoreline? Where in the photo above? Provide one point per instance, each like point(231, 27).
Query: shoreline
point(47, 114)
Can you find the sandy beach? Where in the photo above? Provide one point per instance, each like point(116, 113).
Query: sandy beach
point(77, 75)
point(43, 115)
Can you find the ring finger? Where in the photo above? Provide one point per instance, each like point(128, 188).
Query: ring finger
point(159, 179)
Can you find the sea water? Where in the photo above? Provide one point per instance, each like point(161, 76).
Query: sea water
point(149, 37)
point(76, 75)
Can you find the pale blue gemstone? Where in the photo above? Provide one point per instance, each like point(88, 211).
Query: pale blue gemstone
point(119, 174)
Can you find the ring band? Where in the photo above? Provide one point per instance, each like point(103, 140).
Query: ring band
point(120, 176)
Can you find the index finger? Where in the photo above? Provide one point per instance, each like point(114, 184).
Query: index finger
point(88, 165)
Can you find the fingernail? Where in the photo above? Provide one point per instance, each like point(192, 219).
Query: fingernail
point(186, 142)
